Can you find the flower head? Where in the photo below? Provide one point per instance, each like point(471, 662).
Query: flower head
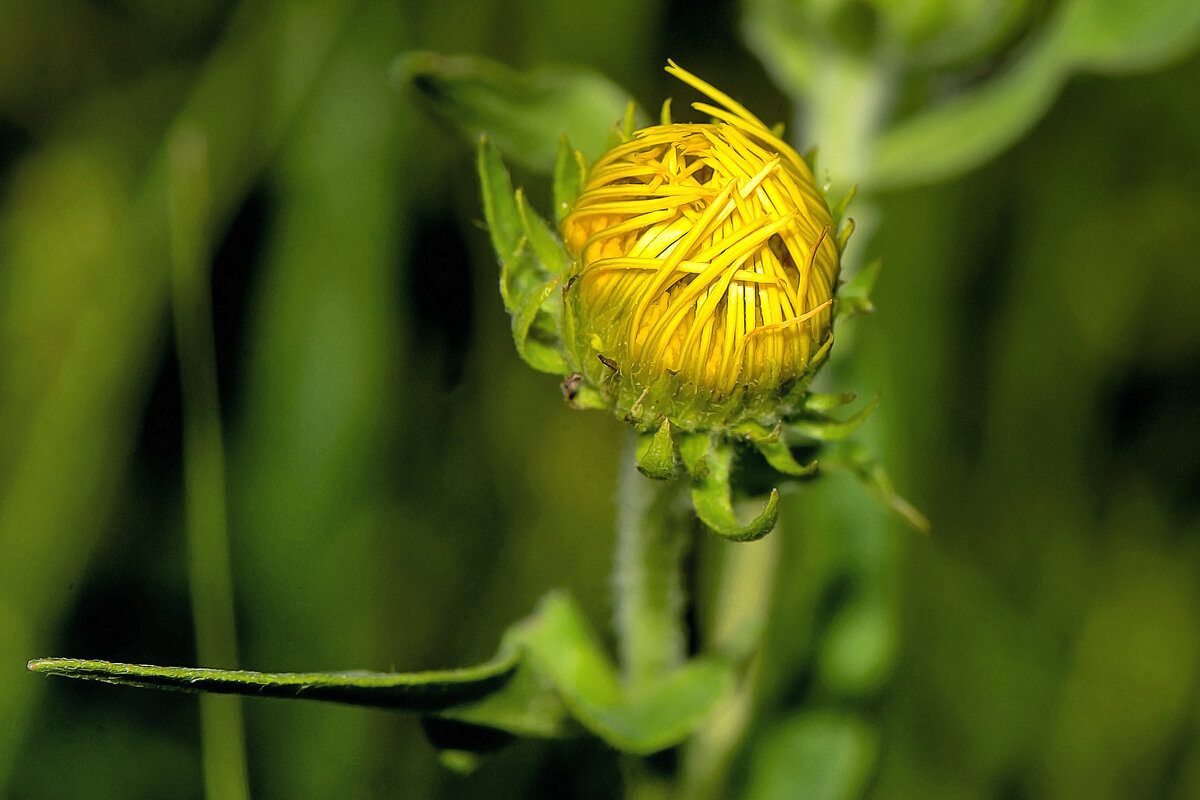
point(691, 292)
point(704, 266)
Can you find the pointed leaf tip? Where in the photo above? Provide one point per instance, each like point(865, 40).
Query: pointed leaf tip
point(499, 204)
point(656, 453)
point(854, 296)
point(720, 519)
point(871, 474)
point(779, 456)
point(826, 429)
point(570, 174)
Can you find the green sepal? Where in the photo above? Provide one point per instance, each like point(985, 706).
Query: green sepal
point(709, 463)
point(779, 456)
point(838, 209)
point(854, 296)
point(769, 443)
point(652, 717)
point(826, 429)
point(843, 235)
point(632, 120)
point(499, 206)
point(547, 249)
point(693, 449)
point(570, 174)
point(580, 394)
point(816, 402)
point(866, 467)
point(629, 123)
point(525, 113)
point(656, 453)
point(540, 355)
point(531, 258)
point(795, 395)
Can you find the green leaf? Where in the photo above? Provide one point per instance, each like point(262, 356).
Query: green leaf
point(656, 453)
point(825, 429)
point(814, 755)
point(570, 175)
point(504, 222)
point(652, 717)
point(413, 691)
point(549, 670)
point(1128, 35)
point(965, 132)
point(1087, 35)
point(854, 296)
point(872, 475)
point(524, 113)
point(527, 705)
point(709, 464)
point(828, 402)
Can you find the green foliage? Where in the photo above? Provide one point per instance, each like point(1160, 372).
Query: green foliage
point(526, 113)
point(802, 44)
point(813, 756)
point(549, 667)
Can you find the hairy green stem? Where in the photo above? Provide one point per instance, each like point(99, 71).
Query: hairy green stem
point(647, 578)
point(742, 604)
point(211, 581)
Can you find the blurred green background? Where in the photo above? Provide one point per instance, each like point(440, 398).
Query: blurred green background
point(401, 488)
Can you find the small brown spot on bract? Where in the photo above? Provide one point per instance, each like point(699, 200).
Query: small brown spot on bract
point(570, 386)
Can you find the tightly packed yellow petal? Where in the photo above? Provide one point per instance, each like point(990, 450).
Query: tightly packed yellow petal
point(704, 253)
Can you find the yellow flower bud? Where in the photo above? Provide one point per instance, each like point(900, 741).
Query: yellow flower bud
point(704, 270)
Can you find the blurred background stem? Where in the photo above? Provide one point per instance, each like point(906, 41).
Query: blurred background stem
point(210, 575)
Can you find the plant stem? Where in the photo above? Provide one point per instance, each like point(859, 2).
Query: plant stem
point(211, 580)
point(742, 604)
point(648, 598)
point(647, 578)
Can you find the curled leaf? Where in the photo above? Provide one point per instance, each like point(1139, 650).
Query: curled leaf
point(542, 356)
point(709, 464)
